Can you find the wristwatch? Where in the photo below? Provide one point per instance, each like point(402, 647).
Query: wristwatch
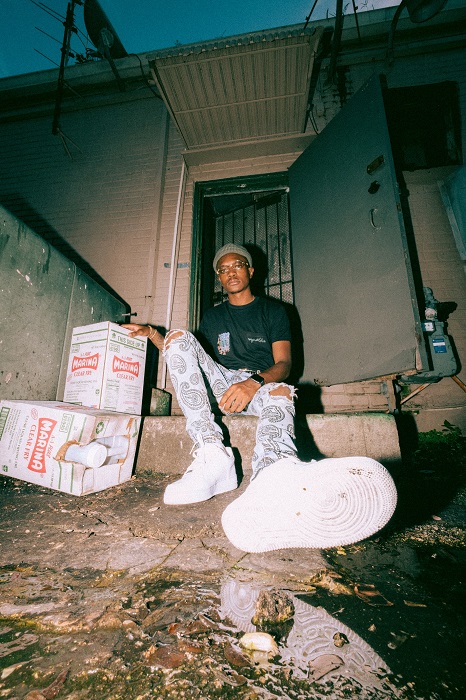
point(257, 378)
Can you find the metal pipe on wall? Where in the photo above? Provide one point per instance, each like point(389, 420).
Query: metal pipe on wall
point(174, 259)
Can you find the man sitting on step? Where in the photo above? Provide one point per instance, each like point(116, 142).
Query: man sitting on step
point(251, 342)
point(288, 503)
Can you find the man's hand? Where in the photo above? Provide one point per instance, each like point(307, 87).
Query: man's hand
point(237, 397)
point(147, 332)
point(137, 329)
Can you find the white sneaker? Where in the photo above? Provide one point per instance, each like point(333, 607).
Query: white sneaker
point(320, 504)
point(212, 472)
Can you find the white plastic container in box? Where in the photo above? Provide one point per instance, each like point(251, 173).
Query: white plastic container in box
point(66, 447)
point(106, 368)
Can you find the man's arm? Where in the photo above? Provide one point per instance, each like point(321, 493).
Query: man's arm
point(147, 331)
point(280, 371)
point(237, 397)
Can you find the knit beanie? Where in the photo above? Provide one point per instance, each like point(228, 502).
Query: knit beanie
point(232, 248)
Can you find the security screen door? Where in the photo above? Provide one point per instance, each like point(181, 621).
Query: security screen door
point(353, 281)
point(251, 211)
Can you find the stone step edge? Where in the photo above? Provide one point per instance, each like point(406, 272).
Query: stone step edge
point(166, 447)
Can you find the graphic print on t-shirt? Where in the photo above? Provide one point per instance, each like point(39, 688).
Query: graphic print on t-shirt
point(255, 338)
point(223, 343)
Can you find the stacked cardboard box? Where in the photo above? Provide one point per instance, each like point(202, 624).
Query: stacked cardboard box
point(40, 442)
point(36, 435)
point(106, 368)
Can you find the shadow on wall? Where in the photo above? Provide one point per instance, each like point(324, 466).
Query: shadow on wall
point(308, 400)
point(21, 209)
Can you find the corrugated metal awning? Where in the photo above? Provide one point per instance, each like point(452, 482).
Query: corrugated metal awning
point(243, 88)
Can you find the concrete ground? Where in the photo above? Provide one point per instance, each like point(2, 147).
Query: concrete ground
point(129, 528)
point(116, 595)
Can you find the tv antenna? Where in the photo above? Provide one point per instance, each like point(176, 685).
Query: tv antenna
point(102, 35)
point(70, 28)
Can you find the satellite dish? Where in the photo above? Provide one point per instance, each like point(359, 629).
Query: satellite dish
point(422, 10)
point(101, 32)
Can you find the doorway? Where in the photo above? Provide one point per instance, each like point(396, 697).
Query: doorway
point(251, 211)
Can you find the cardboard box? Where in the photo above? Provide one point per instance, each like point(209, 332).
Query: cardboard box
point(35, 437)
point(106, 368)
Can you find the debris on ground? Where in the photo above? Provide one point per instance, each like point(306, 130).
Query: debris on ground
point(81, 619)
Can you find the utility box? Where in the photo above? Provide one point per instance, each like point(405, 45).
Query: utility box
point(41, 442)
point(106, 368)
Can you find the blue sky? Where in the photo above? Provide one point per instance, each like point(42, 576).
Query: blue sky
point(144, 25)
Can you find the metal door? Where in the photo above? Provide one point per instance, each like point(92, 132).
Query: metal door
point(353, 282)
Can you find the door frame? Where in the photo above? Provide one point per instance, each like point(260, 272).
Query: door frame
point(201, 254)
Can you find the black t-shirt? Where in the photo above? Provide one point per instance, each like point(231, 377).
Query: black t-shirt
point(241, 337)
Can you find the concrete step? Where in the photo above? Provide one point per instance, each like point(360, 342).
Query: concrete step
point(166, 447)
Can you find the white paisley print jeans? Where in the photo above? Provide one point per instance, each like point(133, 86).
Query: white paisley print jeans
point(190, 367)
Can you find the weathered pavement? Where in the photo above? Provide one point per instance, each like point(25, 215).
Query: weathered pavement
point(79, 575)
point(130, 528)
point(115, 595)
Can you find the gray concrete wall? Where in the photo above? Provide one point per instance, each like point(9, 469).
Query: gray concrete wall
point(43, 296)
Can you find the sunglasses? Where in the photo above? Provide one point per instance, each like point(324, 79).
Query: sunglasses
point(238, 265)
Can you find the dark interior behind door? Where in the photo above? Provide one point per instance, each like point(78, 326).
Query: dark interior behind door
point(353, 280)
point(251, 211)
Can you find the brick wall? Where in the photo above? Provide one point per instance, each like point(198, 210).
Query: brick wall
point(442, 270)
point(103, 202)
point(115, 201)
